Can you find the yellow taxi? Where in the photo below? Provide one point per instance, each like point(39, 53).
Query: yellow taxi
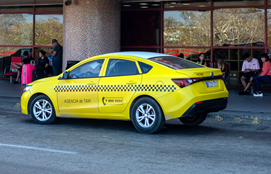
point(146, 88)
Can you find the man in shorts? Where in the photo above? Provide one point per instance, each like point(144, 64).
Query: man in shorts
point(250, 69)
point(27, 59)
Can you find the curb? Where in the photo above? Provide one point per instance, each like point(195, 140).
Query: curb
point(241, 115)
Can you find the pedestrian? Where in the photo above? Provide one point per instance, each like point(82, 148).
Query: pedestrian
point(27, 59)
point(250, 68)
point(201, 59)
point(181, 55)
point(57, 57)
point(220, 64)
point(42, 65)
point(265, 75)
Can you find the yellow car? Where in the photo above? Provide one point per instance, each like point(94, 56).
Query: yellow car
point(147, 88)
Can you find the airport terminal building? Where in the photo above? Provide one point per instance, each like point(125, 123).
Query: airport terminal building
point(85, 28)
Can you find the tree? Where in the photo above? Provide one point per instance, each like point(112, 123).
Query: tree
point(46, 30)
point(15, 30)
point(238, 26)
point(234, 26)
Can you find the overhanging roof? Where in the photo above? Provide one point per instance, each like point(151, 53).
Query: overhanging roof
point(29, 2)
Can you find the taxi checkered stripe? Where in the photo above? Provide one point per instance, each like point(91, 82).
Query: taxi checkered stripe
point(115, 88)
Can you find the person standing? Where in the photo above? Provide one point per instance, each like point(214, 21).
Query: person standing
point(250, 69)
point(265, 75)
point(57, 57)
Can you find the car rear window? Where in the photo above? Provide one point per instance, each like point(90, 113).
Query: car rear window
point(175, 62)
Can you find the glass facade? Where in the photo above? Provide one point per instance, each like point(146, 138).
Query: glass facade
point(48, 26)
point(28, 28)
point(16, 29)
point(219, 28)
point(145, 23)
point(186, 28)
point(238, 26)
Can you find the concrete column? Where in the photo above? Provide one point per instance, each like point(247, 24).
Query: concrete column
point(91, 27)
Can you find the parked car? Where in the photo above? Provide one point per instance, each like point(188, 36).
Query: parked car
point(146, 88)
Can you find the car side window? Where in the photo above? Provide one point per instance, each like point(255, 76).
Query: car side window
point(88, 70)
point(119, 67)
point(145, 68)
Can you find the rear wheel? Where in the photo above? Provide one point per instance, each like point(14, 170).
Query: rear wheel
point(42, 110)
point(147, 116)
point(193, 120)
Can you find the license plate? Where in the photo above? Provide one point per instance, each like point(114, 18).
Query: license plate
point(211, 84)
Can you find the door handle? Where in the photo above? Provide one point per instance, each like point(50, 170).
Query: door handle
point(90, 83)
point(131, 82)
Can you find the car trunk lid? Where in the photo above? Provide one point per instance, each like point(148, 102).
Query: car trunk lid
point(205, 80)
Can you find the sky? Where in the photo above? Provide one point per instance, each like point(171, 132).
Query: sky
point(173, 14)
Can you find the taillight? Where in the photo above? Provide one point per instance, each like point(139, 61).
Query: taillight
point(185, 82)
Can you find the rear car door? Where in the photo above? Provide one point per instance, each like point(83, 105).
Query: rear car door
point(118, 85)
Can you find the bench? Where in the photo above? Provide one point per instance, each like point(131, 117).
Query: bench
point(11, 70)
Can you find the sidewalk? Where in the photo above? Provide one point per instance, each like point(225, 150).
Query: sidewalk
point(247, 106)
point(244, 107)
point(8, 89)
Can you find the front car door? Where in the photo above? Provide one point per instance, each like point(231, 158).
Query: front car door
point(118, 85)
point(78, 94)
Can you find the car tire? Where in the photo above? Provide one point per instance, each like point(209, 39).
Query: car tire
point(147, 116)
point(193, 120)
point(42, 110)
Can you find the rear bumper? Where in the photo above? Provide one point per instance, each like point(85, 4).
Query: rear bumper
point(207, 106)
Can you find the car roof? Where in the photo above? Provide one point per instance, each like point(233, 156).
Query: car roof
point(141, 54)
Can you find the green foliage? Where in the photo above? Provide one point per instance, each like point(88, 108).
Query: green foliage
point(46, 30)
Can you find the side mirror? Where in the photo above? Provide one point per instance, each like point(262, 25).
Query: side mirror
point(66, 75)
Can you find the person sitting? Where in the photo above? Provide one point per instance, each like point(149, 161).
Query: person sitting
point(265, 75)
point(220, 64)
point(42, 65)
point(201, 59)
point(27, 59)
point(250, 69)
point(181, 55)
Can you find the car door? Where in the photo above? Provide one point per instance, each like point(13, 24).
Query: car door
point(78, 93)
point(118, 85)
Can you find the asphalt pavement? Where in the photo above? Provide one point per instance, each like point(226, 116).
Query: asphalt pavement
point(93, 146)
point(107, 146)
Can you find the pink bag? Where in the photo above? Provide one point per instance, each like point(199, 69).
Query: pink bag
point(27, 72)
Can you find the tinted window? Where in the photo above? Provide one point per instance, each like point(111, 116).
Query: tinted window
point(144, 67)
point(118, 67)
point(175, 62)
point(87, 70)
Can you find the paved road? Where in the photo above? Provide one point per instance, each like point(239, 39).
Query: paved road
point(99, 146)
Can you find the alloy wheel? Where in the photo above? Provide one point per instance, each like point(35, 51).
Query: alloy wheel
point(145, 115)
point(42, 110)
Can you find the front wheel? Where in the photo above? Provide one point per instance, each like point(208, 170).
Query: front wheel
point(147, 116)
point(42, 110)
point(193, 120)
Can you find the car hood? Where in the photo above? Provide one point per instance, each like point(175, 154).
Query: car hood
point(43, 80)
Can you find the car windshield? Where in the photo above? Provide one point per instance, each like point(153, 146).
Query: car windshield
point(175, 62)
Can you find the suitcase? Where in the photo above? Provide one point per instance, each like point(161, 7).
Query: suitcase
point(27, 72)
